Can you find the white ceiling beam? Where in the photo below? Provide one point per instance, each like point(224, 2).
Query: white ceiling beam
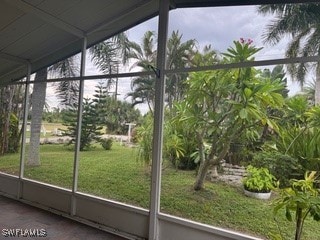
point(28, 8)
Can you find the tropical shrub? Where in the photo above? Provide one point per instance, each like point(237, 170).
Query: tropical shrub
point(300, 200)
point(301, 139)
point(11, 108)
point(180, 142)
point(143, 137)
point(302, 144)
point(259, 180)
point(173, 147)
point(283, 167)
point(14, 134)
point(106, 143)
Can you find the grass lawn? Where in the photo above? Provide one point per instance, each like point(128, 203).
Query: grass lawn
point(117, 175)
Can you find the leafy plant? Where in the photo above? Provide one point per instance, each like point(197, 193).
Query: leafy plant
point(299, 135)
point(196, 155)
point(259, 180)
point(14, 134)
point(283, 167)
point(173, 147)
point(302, 199)
point(144, 138)
point(179, 141)
point(106, 143)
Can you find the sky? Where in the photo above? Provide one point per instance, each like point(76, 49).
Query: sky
point(218, 26)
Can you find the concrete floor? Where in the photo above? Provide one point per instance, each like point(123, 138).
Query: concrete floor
point(16, 217)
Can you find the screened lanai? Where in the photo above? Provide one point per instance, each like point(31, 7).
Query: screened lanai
point(35, 35)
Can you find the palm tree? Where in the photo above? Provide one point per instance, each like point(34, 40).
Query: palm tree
point(179, 55)
point(143, 91)
point(309, 92)
point(145, 55)
point(38, 99)
point(206, 56)
point(301, 22)
point(109, 54)
point(67, 91)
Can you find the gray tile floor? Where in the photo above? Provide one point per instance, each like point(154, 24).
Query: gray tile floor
point(16, 215)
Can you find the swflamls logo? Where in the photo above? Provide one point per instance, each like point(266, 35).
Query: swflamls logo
point(18, 232)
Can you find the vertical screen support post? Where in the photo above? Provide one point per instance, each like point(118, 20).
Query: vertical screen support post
point(79, 125)
point(158, 121)
point(24, 129)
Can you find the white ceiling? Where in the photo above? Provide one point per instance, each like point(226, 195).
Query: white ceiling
point(45, 31)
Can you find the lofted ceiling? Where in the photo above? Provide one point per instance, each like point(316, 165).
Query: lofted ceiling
point(42, 32)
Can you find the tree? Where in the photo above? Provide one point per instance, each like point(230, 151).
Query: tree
point(301, 22)
point(112, 113)
point(109, 54)
point(119, 113)
point(145, 56)
point(143, 91)
point(221, 105)
point(6, 95)
point(67, 91)
point(10, 113)
point(309, 92)
point(53, 116)
point(100, 99)
point(179, 55)
point(179, 143)
point(206, 56)
point(90, 130)
point(37, 103)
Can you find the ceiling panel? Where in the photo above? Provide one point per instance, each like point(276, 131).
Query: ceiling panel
point(31, 48)
point(57, 7)
point(100, 11)
point(7, 66)
point(8, 14)
point(17, 30)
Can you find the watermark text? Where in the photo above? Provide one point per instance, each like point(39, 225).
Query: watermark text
point(19, 232)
